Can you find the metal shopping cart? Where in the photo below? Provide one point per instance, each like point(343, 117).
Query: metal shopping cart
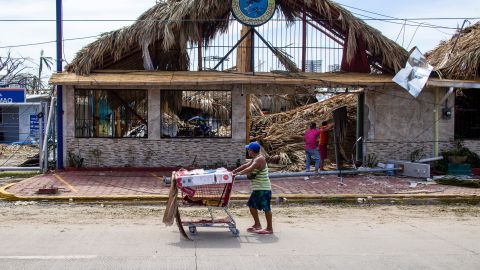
point(206, 188)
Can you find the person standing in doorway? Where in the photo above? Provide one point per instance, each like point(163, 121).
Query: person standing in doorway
point(323, 142)
point(257, 171)
point(311, 147)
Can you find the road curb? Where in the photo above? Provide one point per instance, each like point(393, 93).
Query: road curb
point(286, 198)
point(6, 195)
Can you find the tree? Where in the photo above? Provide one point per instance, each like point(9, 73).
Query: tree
point(10, 70)
point(48, 62)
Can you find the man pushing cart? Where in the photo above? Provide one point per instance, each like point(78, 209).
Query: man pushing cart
point(257, 171)
point(212, 189)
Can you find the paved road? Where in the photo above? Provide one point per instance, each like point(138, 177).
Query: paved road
point(324, 238)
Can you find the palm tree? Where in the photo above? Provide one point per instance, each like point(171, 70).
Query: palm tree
point(48, 62)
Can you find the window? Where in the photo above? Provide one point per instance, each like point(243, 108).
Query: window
point(467, 114)
point(111, 114)
point(196, 114)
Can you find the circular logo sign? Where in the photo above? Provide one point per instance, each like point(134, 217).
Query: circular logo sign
point(253, 12)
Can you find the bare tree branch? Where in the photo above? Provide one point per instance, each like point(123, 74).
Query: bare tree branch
point(10, 69)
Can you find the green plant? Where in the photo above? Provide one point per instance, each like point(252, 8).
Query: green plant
point(96, 153)
point(416, 155)
point(19, 174)
point(371, 160)
point(452, 181)
point(74, 160)
point(472, 158)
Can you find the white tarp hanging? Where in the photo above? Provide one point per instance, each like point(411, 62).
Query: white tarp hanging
point(415, 74)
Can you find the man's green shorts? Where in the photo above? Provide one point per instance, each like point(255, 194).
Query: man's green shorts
point(260, 199)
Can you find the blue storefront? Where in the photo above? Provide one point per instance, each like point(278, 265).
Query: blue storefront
point(14, 115)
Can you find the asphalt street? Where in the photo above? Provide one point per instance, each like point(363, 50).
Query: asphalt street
point(422, 237)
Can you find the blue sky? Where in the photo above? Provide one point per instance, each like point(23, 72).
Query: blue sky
point(15, 33)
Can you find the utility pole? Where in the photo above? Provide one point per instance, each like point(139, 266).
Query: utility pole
point(59, 87)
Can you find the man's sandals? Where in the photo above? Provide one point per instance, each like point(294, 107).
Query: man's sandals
point(254, 229)
point(258, 230)
point(264, 232)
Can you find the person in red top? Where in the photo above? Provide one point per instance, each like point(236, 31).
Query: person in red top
point(323, 141)
point(311, 146)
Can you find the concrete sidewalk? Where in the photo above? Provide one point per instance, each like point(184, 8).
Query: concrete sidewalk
point(148, 185)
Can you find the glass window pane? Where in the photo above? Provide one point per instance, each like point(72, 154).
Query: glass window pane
point(111, 113)
point(196, 114)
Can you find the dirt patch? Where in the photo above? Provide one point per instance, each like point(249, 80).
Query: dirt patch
point(16, 155)
point(21, 212)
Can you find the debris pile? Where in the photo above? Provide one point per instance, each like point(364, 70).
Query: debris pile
point(12, 155)
point(281, 134)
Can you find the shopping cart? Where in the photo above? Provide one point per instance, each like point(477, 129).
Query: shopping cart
point(211, 189)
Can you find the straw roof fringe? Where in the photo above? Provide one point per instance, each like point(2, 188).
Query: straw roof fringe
point(170, 25)
point(464, 62)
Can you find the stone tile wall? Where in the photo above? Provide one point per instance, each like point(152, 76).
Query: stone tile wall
point(384, 151)
point(156, 153)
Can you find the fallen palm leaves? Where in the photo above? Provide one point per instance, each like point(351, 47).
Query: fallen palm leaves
point(281, 134)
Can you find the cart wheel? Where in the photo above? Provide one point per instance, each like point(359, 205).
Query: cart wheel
point(192, 229)
point(235, 231)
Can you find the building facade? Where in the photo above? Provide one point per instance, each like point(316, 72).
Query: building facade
point(163, 143)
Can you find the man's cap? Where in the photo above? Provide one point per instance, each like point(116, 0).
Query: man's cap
point(254, 146)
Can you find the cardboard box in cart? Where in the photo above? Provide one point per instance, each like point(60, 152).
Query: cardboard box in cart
point(201, 177)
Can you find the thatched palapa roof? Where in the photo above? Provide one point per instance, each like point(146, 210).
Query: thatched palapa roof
point(459, 57)
point(167, 28)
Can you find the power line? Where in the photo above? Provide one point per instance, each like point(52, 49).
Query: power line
point(45, 42)
point(412, 20)
point(396, 18)
point(401, 21)
point(393, 20)
point(387, 18)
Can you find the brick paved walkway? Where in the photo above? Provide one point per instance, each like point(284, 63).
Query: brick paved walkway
point(134, 183)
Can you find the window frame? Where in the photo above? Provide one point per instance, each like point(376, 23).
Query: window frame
point(113, 136)
point(163, 137)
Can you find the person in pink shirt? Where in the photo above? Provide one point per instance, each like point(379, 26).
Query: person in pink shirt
point(311, 146)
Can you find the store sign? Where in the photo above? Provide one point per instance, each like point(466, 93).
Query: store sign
point(253, 12)
point(12, 95)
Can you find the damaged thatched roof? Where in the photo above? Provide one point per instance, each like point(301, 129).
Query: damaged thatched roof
point(281, 134)
point(170, 25)
point(459, 57)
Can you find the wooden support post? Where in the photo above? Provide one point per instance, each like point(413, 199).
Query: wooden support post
point(244, 64)
point(118, 123)
point(96, 117)
point(304, 39)
point(360, 125)
point(200, 45)
point(248, 118)
point(436, 119)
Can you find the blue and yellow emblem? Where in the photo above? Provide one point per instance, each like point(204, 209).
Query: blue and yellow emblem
point(253, 12)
